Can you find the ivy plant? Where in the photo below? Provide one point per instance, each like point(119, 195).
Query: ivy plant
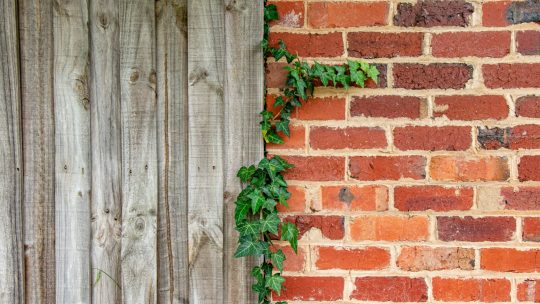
point(256, 214)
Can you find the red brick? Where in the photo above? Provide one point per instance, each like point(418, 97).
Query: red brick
point(291, 14)
point(464, 44)
point(355, 198)
point(528, 106)
point(315, 168)
point(437, 198)
point(297, 201)
point(389, 228)
point(310, 45)
point(415, 76)
point(276, 75)
point(387, 167)
point(297, 140)
point(510, 260)
point(468, 107)
point(529, 168)
point(316, 108)
point(369, 258)
point(495, 13)
point(433, 13)
point(389, 107)
point(294, 261)
point(531, 229)
point(529, 291)
point(331, 227)
point(528, 42)
point(508, 75)
point(384, 45)
point(468, 290)
point(311, 289)
point(390, 289)
point(522, 198)
point(343, 14)
point(347, 138)
point(459, 168)
point(471, 229)
point(433, 138)
point(517, 137)
point(437, 258)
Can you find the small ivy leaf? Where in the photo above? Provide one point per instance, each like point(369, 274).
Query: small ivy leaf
point(290, 57)
point(267, 114)
point(249, 228)
point(272, 137)
point(373, 73)
point(245, 173)
point(278, 53)
point(279, 101)
point(296, 102)
point(270, 204)
point(282, 163)
point(246, 247)
point(257, 200)
point(278, 258)
point(270, 223)
point(241, 211)
point(289, 233)
point(283, 126)
point(271, 13)
point(256, 273)
point(274, 282)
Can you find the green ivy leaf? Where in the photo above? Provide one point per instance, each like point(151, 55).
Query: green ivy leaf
point(270, 13)
point(283, 126)
point(249, 228)
point(241, 211)
point(279, 101)
point(278, 258)
point(245, 173)
point(289, 233)
point(249, 246)
point(257, 200)
point(274, 282)
point(271, 137)
point(270, 204)
point(270, 223)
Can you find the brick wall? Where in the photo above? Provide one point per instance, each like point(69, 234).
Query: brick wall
point(425, 187)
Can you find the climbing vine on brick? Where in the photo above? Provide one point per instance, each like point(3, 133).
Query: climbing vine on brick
point(256, 215)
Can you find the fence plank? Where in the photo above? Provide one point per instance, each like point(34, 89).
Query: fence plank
point(171, 34)
point(244, 99)
point(139, 151)
point(106, 150)
point(205, 177)
point(11, 255)
point(73, 171)
point(36, 51)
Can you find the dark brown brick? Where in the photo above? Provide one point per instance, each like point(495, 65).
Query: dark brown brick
point(471, 229)
point(331, 227)
point(517, 137)
point(376, 45)
point(389, 106)
point(433, 13)
point(522, 198)
point(432, 76)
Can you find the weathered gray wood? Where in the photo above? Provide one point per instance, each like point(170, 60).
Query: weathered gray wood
point(36, 51)
point(244, 99)
point(106, 150)
point(205, 176)
point(11, 254)
point(139, 151)
point(73, 168)
point(171, 34)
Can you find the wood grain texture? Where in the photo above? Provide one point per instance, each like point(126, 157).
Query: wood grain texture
point(73, 168)
point(106, 150)
point(139, 151)
point(205, 176)
point(36, 51)
point(11, 254)
point(173, 275)
point(244, 99)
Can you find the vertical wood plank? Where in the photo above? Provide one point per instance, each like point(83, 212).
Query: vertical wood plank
point(106, 150)
point(139, 151)
point(205, 177)
point(73, 168)
point(173, 275)
point(11, 255)
point(36, 51)
point(244, 99)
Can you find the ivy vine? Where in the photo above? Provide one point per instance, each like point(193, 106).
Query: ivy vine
point(256, 215)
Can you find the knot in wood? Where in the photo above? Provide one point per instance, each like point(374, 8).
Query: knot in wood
point(139, 225)
point(103, 21)
point(134, 76)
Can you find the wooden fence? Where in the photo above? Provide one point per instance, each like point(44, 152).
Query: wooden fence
point(122, 125)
